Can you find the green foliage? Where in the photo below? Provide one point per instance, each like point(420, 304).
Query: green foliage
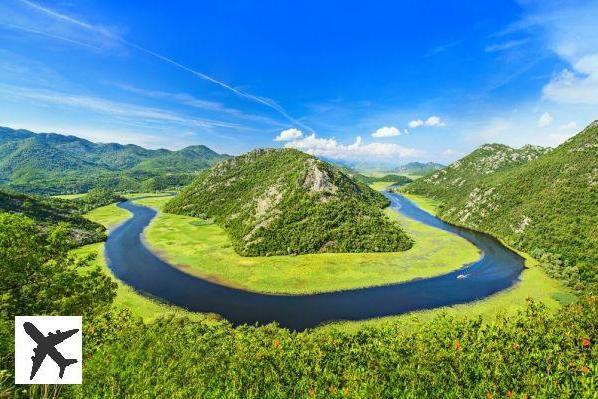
point(39, 277)
point(535, 353)
point(534, 199)
point(418, 168)
point(278, 202)
point(49, 163)
point(48, 212)
point(396, 180)
point(96, 198)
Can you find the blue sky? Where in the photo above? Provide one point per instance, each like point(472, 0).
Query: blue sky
point(378, 81)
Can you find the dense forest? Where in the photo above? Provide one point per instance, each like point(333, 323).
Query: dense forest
point(50, 163)
point(544, 202)
point(275, 202)
point(533, 354)
point(49, 212)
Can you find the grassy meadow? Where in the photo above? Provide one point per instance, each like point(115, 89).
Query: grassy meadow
point(203, 249)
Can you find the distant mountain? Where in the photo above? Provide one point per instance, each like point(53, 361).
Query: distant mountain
point(539, 200)
point(417, 168)
point(52, 163)
point(284, 201)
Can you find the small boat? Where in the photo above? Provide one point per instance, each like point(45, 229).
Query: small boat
point(461, 276)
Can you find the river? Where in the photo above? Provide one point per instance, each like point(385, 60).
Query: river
point(136, 265)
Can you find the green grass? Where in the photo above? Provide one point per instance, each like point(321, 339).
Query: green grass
point(109, 215)
point(381, 185)
point(186, 239)
point(69, 196)
point(534, 284)
point(204, 249)
point(126, 297)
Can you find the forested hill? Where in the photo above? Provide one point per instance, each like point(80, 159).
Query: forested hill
point(49, 212)
point(287, 202)
point(51, 163)
point(417, 168)
point(545, 202)
point(483, 163)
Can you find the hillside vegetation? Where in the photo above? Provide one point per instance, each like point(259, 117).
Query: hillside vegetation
point(535, 354)
point(544, 202)
point(49, 163)
point(394, 180)
point(51, 212)
point(417, 168)
point(275, 202)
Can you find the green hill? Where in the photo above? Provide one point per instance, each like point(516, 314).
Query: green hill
point(287, 202)
point(544, 202)
point(50, 163)
point(417, 168)
point(49, 212)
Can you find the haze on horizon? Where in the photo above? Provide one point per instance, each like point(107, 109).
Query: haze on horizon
point(381, 82)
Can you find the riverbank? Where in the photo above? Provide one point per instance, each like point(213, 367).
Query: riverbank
point(126, 297)
point(534, 285)
point(203, 249)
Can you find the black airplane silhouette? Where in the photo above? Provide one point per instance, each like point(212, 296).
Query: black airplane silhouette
point(47, 346)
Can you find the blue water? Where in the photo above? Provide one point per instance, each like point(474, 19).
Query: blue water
point(133, 263)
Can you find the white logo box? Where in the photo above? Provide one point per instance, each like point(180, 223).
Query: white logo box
point(69, 350)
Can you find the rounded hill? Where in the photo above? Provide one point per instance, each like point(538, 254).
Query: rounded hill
point(283, 201)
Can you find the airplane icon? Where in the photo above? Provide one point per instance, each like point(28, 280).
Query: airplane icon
point(46, 345)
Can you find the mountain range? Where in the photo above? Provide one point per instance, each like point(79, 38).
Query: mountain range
point(50, 163)
point(543, 201)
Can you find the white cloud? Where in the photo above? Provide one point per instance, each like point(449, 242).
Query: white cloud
point(331, 148)
point(568, 126)
point(575, 88)
point(191, 101)
point(569, 30)
point(289, 134)
point(112, 108)
point(545, 120)
point(504, 46)
point(449, 152)
point(386, 131)
point(431, 121)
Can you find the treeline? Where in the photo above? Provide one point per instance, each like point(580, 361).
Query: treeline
point(535, 353)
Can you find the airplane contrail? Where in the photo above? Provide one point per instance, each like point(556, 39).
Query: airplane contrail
point(264, 101)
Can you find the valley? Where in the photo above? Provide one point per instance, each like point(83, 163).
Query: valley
point(183, 255)
point(298, 200)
